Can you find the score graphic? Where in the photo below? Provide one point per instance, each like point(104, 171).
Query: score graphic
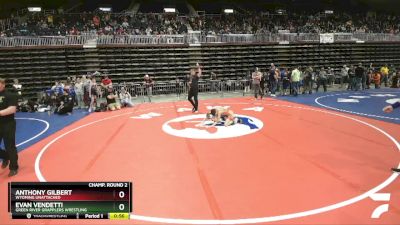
point(76, 200)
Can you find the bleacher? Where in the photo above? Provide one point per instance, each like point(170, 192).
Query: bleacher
point(38, 67)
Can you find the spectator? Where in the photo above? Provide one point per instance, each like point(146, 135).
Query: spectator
point(359, 74)
point(295, 79)
point(352, 79)
point(79, 93)
point(370, 77)
point(148, 85)
point(256, 78)
point(65, 104)
point(307, 81)
point(273, 79)
point(384, 74)
point(17, 88)
point(344, 75)
point(125, 98)
point(58, 88)
point(285, 81)
point(331, 76)
point(396, 80)
point(377, 79)
point(93, 94)
point(322, 79)
point(112, 99)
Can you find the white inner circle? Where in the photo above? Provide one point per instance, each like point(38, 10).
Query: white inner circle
point(192, 128)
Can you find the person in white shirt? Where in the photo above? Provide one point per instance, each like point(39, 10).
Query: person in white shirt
point(18, 87)
point(79, 92)
point(125, 98)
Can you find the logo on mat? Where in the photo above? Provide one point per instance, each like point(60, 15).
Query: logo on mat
point(194, 127)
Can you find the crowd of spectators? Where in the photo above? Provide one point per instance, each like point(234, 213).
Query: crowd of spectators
point(97, 23)
point(42, 24)
point(96, 92)
point(283, 80)
point(261, 23)
point(84, 92)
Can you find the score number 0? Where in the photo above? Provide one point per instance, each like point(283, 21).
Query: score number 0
point(121, 206)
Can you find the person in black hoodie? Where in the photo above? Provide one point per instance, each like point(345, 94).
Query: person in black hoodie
point(194, 88)
point(359, 74)
point(8, 107)
point(66, 104)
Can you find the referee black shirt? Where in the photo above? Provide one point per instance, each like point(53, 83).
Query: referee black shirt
point(194, 85)
point(7, 99)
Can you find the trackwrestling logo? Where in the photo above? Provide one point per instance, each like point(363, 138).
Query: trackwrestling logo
point(193, 127)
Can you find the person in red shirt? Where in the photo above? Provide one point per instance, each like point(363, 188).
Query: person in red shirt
point(106, 81)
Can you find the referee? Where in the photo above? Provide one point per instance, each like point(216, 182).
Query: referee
point(194, 88)
point(8, 107)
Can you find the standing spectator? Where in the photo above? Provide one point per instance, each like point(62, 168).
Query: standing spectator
point(370, 77)
point(125, 98)
point(79, 92)
point(359, 72)
point(93, 93)
point(106, 82)
point(278, 79)
point(352, 79)
point(396, 80)
point(262, 85)
point(308, 81)
point(214, 82)
point(384, 74)
point(86, 90)
point(321, 80)
point(247, 82)
point(148, 85)
point(58, 88)
point(17, 88)
point(273, 80)
point(296, 74)
point(285, 81)
point(344, 75)
point(364, 79)
point(256, 79)
point(331, 76)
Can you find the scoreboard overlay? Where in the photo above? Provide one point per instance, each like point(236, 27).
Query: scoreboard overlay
point(72, 200)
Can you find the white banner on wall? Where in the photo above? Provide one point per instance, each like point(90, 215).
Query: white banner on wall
point(326, 38)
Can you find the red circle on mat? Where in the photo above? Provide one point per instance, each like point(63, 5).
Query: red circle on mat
point(300, 160)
